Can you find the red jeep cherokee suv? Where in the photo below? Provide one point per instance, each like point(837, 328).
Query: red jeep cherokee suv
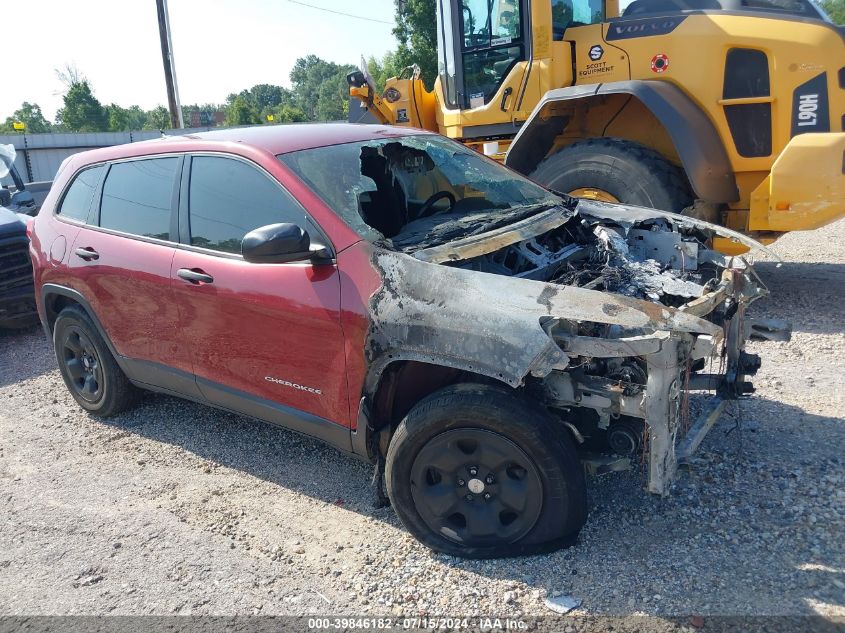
point(400, 297)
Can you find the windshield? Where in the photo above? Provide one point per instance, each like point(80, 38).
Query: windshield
point(389, 188)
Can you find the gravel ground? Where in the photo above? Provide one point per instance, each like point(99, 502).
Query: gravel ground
point(175, 508)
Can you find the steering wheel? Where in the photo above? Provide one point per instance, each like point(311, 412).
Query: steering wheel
point(428, 205)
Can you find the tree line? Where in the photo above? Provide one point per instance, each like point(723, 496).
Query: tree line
point(318, 89)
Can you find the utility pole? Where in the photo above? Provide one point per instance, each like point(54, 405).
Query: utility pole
point(169, 66)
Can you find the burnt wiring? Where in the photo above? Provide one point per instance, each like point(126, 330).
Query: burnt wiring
point(684, 419)
point(736, 414)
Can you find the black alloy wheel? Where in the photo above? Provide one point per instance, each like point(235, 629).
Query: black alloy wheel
point(478, 471)
point(87, 365)
point(476, 487)
point(82, 363)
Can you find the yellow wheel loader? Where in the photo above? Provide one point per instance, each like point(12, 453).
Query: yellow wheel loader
point(727, 110)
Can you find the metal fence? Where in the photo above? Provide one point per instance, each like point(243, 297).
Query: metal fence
point(39, 155)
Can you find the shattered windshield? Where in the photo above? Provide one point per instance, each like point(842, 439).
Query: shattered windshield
point(416, 188)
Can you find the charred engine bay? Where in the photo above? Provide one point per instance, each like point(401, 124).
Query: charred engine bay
point(649, 259)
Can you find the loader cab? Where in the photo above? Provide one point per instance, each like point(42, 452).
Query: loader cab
point(493, 56)
point(479, 43)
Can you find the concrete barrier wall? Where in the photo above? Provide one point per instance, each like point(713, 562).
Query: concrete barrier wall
point(39, 155)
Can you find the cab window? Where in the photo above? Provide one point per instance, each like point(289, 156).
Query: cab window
point(488, 23)
point(566, 13)
point(492, 43)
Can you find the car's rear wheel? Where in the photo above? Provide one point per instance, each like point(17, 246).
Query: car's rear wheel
point(88, 368)
point(474, 471)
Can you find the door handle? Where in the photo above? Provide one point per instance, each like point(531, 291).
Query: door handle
point(195, 277)
point(508, 92)
point(87, 253)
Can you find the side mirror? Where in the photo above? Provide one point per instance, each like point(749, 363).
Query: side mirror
point(280, 243)
point(24, 202)
point(356, 79)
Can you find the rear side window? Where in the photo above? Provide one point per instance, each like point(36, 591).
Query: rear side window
point(138, 197)
point(77, 201)
point(229, 198)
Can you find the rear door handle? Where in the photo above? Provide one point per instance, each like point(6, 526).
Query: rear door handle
point(87, 253)
point(195, 277)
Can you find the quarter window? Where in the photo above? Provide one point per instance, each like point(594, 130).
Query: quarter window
point(77, 200)
point(229, 198)
point(138, 197)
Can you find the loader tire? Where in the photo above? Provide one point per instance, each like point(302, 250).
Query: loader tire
point(629, 172)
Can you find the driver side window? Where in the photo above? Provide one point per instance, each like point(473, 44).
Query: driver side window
point(566, 13)
point(229, 198)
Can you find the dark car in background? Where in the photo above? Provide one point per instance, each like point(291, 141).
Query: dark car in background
point(17, 302)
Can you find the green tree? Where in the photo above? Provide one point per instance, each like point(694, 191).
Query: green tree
point(118, 118)
point(416, 32)
point(157, 119)
point(137, 117)
point(209, 108)
point(383, 69)
point(82, 112)
point(333, 97)
point(835, 9)
point(240, 112)
point(320, 89)
point(283, 114)
point(267, 95)
point(30, 115)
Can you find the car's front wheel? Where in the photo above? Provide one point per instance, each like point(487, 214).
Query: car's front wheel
point(474, 471)
point(88, 368)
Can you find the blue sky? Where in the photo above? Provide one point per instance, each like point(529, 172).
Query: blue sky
point(220, 46)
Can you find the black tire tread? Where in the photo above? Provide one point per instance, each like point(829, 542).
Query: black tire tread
point(560, 466)
point(119, 394)
point(670, 182)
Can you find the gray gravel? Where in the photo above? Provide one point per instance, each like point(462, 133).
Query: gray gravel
point(178, 508)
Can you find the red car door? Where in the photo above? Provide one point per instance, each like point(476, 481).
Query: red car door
point(265, 338)
point(121, 262)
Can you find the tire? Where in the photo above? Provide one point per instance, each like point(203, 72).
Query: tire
point(88, 368)
point(527, 493)
point(630, 172)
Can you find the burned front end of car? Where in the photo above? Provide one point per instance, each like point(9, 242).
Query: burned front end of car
point(610, 316)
